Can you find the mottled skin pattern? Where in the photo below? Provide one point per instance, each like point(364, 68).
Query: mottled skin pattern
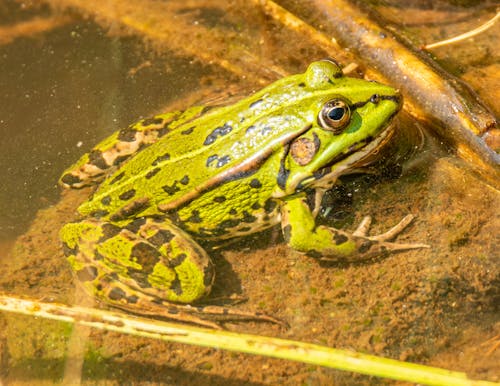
point(204, 174)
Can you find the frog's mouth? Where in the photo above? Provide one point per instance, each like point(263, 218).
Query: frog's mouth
point(351, 162)
point(370, 153)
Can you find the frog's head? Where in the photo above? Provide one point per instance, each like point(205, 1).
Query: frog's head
point(349, 120)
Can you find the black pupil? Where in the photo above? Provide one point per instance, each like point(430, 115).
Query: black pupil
point(336, 113)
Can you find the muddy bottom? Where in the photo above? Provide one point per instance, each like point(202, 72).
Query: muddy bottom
point(436, 306)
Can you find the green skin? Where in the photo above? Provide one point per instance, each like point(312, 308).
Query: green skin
point(202, 174)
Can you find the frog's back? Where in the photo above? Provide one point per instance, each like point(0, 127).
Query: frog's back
point(220, 146)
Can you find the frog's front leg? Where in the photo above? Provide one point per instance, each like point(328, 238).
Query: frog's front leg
point(302, 233)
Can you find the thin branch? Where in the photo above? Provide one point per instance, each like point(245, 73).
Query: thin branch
point(467, 35)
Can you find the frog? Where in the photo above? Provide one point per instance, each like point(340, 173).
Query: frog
point(169, 184)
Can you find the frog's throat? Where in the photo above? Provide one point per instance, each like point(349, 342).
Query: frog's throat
point(327, 176)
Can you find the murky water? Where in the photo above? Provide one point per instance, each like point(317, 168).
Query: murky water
point(68, 82)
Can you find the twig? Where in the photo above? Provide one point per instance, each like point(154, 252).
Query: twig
point(466, 35)
point(292, 22)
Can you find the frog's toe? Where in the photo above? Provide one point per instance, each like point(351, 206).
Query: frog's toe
point(364, 226)
point(402, 246)
point(383, 238)
point(395, 230)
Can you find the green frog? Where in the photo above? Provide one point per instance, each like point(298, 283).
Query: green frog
point(208, 174)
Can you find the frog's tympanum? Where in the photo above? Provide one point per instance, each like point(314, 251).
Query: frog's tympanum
point(169, 182)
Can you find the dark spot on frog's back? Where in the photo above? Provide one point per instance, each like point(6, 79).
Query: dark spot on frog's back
point(165, 129)
point(120, 159)
point(211, 159)
point(152, 173)
point(266, 130)
point(255, 183)
point(188, 131)
point(130, 209)
point(140, 277)
point(146, 255)
point(99, 257)
point(127, 195)
point(217, 132)
point(221, 161)
point(96, 159)
point(99, 213)
point(106, 200)
point(127, 135)
point(171, 189)
point(152, 121)
point(164, 157)
point(219, 199)
point(184, 180)
point(117, 178)
point(70, 179)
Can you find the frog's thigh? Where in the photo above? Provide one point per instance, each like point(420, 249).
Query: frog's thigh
point(143, 260)
point(301, 232)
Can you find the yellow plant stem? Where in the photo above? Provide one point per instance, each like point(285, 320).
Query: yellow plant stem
point(232, 341)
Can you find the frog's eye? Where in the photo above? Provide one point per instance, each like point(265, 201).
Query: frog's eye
point(334, 116)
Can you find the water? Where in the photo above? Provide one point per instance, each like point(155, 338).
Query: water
point(66, 88)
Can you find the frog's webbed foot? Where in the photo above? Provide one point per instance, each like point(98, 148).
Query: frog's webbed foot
point(225, 314)
point(383, 239)
point(171, 313)
point(204, 316)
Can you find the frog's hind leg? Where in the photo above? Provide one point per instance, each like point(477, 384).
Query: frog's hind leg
point(146, 267)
